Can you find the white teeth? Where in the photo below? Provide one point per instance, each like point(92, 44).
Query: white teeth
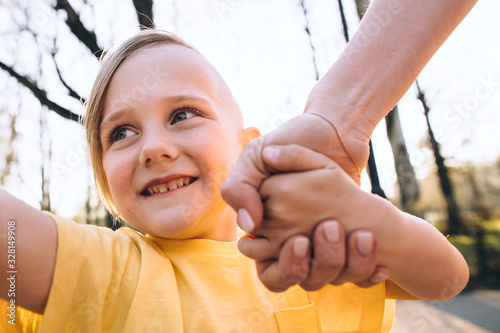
point(172, 185)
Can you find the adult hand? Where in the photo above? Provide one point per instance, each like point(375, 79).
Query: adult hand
point(337, 260)
point(240, 190)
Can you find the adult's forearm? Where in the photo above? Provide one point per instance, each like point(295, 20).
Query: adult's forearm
point(393, 43)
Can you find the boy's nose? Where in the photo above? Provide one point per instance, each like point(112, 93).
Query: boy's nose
point(157, 147)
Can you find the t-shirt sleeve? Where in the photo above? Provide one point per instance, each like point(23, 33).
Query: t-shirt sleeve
point(18, 320)
point(95, 276)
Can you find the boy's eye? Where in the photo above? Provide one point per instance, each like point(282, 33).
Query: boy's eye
point(183, 114)
point(120, 134)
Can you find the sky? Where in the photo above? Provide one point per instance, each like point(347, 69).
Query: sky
point(262, 51)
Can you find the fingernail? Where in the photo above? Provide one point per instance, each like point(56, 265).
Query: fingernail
point(245, 220)
point(300, 246)
point(270, 153)
point(332, 231)
point(378, 278)
point(365, 243)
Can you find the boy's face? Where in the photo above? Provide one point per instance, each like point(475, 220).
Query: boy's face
point(170, 133)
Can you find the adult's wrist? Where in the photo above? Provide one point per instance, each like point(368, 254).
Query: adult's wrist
point(352, 107)
point(345, 120)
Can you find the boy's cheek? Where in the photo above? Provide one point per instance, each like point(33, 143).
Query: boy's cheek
point(116, 165)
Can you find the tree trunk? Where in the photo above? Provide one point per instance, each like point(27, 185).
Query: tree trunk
point(46, 151)
point(144, 9)
point(10, 156)
point(478, 203)
point(308, 32)
point(408, 186)
point(373, 173)
point(362, 6)
point(455, 224)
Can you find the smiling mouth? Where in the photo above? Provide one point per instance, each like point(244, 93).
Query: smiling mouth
point(169, 186)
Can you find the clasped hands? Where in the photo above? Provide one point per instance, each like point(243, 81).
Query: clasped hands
point(303, 208)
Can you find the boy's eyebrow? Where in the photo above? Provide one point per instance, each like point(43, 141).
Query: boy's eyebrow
point(109, 120)
point(177, 99)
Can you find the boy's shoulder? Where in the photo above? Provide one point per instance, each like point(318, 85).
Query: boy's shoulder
point(73, 232)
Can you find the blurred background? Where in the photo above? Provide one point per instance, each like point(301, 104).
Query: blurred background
point(437, 154)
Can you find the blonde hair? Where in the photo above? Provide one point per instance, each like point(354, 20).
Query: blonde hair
point(95, 104)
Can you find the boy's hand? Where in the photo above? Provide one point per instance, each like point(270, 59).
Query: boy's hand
point(311, 189)
point(306, 187)
point(330, 265)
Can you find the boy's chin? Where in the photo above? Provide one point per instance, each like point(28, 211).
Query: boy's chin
point(169, 226)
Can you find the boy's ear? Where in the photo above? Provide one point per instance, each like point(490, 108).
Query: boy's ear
point(249, 134)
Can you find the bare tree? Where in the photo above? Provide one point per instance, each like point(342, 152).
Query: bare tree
point(8, 144)
point(455, 224)
point(408, 186)
point(478, 203)
point(307, 29)
point(46, 151)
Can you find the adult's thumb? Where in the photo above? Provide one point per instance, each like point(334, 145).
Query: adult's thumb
point(294, 158)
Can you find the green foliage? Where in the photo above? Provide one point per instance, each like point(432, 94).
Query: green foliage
point(468, 246)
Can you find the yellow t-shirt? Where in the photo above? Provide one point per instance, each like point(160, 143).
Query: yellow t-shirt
point(122, 281)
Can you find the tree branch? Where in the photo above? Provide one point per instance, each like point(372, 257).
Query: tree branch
point(76, 26)
point(40, 94)
point(308, 32)
point(144, 9)
point(71, 92)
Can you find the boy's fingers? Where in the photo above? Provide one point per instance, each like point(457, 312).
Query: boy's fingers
point(240, 187)
point(294, 158)
point(290, 269)
point(259, 249)
point(329, 255)
point(380, 275)
point(361, 258)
